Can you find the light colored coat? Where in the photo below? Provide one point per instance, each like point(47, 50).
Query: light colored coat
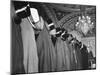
point(30, 48)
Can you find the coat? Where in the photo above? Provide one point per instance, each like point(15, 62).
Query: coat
point(46, 52)
point(30, 48)
point(17, 66)
point(62, 56)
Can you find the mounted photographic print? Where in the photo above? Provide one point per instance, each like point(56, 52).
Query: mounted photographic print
point(52, 37)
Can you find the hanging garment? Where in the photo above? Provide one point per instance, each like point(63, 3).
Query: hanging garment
point(72, 57)
point(76, 57)
point(46, 52)
point(84, 53)
point(17, 66)
point(62, 56)
point(30, 48)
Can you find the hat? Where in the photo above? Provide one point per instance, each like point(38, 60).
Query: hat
point(22, 9)
point(58, 32)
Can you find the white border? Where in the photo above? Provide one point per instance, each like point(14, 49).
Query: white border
point(5, 36)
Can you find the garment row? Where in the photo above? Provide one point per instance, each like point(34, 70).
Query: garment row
point(43, 56)
point(44, 53)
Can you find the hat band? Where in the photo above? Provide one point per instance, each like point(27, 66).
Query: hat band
point(20, 10)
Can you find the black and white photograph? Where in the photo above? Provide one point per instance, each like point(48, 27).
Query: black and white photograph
point(52, 37)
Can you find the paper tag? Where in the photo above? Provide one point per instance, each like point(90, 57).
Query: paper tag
point(34, 14)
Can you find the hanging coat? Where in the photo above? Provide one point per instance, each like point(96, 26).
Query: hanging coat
point(62, 56)
point(76, 57)
point(46, 52)
point(17, 66)
point(72, 60)
point(30, 48)
point(84, 53)
point(72, 57)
